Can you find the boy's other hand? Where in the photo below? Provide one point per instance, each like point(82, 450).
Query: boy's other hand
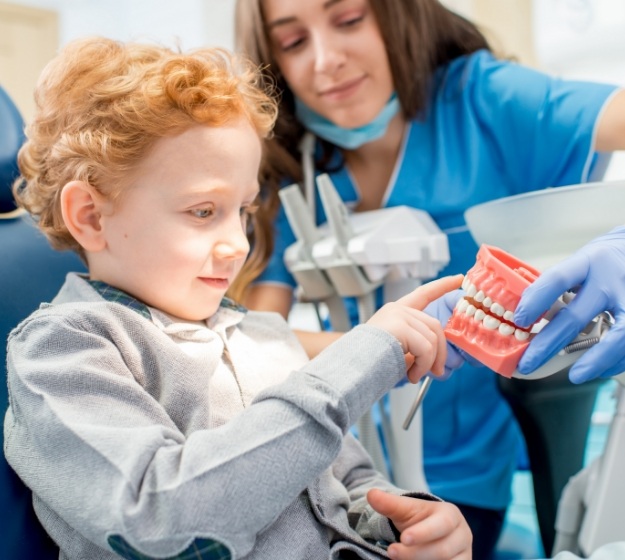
point(419, 334)
point(429, 530)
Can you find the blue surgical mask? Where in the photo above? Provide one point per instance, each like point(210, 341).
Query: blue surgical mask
point(347, 138)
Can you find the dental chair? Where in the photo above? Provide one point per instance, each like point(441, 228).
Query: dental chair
point(30, 272)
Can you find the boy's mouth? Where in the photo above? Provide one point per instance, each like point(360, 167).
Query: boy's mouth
point(482, 322)
point(218, 283)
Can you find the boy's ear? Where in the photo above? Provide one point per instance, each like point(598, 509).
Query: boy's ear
point(82, 207)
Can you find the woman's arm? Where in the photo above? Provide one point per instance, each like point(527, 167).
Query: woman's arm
point(270, 297)
point(611, 125)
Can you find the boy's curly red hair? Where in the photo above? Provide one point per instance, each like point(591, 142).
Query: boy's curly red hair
point(101, 104)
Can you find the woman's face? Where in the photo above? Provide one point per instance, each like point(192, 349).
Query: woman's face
point(332, 55)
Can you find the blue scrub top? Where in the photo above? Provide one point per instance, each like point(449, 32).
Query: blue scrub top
point(493, 129)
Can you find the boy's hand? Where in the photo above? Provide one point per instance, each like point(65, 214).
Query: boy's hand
point(429, 530)
point(419, 334)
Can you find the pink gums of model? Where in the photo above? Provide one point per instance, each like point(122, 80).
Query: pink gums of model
point(481, 323)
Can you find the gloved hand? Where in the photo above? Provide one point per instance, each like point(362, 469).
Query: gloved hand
point(441, 309)
point(598, 269)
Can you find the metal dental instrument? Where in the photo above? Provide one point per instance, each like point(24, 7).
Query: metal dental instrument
point(423, 389)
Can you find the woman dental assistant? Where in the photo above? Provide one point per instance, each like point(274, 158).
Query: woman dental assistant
point(410, 107)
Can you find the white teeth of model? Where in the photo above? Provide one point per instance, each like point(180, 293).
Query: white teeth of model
point(487, 302)
point(497, 309)
point(479, 315)
point(491, 323)
point(506, 329)
point(471, 290)
point(521, 335)
point(537, 327)
point(462, 305)
point(470, 310)
point(508, 316)
point(479, 297)
point(465, 283)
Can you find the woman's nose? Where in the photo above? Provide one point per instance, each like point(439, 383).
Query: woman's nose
point(328, 52)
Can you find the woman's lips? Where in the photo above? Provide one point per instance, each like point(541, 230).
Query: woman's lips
point(342, 91)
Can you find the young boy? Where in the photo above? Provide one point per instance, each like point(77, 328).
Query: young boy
point(152, 417)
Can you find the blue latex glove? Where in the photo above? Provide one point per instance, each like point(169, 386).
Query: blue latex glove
point(441, 309)
point(598, 269)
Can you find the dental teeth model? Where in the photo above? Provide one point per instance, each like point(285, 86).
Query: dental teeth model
point(481, 323)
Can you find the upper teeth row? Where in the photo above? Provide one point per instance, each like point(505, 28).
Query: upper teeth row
point(490, 322)
point(481, 297)
point(497, 309)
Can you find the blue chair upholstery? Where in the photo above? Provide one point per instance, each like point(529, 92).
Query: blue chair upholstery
point(30, 272)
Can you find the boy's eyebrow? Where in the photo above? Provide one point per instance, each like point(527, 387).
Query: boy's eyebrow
point(290, 19)
point(217, 190)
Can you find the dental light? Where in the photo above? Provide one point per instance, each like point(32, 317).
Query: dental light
point(353, 255)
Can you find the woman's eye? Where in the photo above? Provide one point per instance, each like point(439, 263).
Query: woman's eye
point(202, 213)
point(350, 21)
point(291, 45)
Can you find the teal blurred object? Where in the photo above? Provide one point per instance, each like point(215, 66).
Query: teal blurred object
point(30, 272)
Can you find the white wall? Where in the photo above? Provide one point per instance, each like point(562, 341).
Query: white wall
point(572, 38)
point(193, 23)
point(583, 39)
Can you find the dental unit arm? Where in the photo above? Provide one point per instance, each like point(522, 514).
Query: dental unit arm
point(482, 322)
point(353, 255)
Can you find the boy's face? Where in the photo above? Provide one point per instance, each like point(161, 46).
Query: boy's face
point(176, 239)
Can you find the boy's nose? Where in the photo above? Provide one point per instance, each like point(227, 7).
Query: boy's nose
point(234, 243)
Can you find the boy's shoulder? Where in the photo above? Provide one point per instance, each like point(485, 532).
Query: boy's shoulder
point(80, 303)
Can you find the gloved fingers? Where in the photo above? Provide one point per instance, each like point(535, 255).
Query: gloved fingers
point(616, 369)
point(539, 296)
point(604, 359)
point(453, 361)
point(443, 307)
point(454, 358)
point(452, 298)
point(586, 370)
point(563, 328)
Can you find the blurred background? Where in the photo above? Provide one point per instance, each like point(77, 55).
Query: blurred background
point(571, 38)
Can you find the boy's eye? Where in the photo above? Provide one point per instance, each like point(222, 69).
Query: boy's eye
point(202, 213)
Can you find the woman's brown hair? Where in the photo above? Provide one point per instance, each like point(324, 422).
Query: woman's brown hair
point(420, 36)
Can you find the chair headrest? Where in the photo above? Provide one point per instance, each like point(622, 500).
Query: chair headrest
point(11, 139)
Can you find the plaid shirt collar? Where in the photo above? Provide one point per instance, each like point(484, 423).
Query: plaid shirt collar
point(115, 295)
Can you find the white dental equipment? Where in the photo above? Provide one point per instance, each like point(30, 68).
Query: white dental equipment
point(351, 256)
point(590, 513)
